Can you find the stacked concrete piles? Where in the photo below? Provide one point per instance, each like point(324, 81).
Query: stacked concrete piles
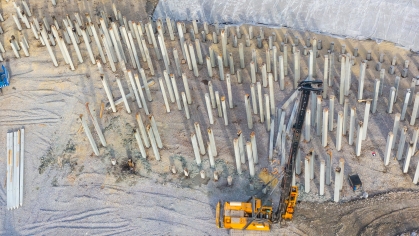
point(15, 166)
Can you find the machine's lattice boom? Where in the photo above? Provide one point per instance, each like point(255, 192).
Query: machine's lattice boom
point(289, 193)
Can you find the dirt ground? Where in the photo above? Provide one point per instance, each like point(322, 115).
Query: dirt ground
point(69, 190)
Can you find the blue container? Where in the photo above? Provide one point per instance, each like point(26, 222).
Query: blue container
point(4, 77)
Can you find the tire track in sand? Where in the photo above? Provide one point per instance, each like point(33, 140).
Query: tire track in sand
point(89, 219)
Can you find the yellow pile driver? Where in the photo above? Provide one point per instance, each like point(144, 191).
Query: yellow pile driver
point(255, 214)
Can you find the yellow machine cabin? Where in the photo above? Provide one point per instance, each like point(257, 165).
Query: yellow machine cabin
point(252, 215)
point(238, 215)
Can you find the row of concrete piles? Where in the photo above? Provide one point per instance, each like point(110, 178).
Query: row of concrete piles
point(115, 53)
point(119, 46)
point(138, 96)
point(401, 152)
point(322, 120)
point(146, 135)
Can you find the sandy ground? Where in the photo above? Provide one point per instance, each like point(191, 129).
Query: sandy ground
point(68, 190)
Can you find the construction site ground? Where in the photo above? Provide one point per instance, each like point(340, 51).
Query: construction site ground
point(70, 191)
